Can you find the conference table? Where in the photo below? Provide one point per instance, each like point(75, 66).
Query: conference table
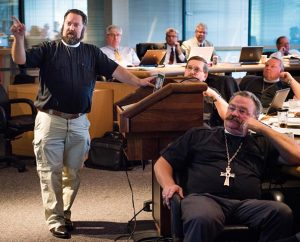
point(292, 128)
point(227, 68)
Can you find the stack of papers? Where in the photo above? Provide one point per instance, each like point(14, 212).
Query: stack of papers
point(291, 60)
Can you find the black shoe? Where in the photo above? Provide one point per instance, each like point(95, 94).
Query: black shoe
point(61, 232)
point(69, 224)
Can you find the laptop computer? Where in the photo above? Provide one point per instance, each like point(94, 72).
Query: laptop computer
point(250, 55)
point(277, 101)
point(153, 58)
point(204, 52)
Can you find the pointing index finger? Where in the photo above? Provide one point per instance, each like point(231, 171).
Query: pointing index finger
point(15, 20)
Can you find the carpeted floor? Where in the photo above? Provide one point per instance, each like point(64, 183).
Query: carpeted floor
point(101, 210)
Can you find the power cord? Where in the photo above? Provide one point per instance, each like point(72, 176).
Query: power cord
point(129, 235)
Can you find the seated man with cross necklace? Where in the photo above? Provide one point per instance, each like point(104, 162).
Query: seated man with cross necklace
point(224, 168)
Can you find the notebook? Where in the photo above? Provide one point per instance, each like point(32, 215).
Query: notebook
point(250, 55)
point(277, 101)
point(204, 52)
point(153, 58)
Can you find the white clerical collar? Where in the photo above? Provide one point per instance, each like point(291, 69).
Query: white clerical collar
point(268, 81)
point(76, 45)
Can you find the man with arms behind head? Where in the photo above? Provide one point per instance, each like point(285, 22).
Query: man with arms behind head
point(274, 78)
point(199, 40)
point(224, 168)
point(220, 89)
point(124, 56)
point(68, 70)
point(174, 52)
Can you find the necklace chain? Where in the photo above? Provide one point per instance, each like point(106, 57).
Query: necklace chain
point(263, 88)
point(227, 172)
point(227, 152)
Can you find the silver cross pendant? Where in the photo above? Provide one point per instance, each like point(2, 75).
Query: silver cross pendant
point(227, 175)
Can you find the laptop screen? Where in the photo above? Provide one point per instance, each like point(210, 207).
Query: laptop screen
point(251, 54)
point(153, 57)
point(277, 101)
point(204, 52)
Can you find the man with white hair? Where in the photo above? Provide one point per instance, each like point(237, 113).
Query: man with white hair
point(124, 56)
point(198, 40)
point(175, 53)
point(274, 78)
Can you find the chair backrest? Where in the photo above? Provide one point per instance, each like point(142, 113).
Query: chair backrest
point(225, 85)
point(4, 101)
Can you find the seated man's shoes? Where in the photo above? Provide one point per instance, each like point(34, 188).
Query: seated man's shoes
point(69, 224)
point(61, 232)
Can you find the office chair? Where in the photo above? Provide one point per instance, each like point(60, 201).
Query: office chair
point(231, 233)
point(11, 127)
point(225, 85)
point(141, 48)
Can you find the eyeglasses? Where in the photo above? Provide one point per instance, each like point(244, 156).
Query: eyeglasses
point(193, 68)
point(201, 32)
point(171, 36)
point(115, 35)
point(241, 111)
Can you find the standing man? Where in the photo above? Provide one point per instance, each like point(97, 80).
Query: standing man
point(224, 168)
point(68, 70)
point(198, 40)
point(124, 56)
point(174, 53)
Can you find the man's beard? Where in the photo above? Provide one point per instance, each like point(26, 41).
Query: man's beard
point(71, 38)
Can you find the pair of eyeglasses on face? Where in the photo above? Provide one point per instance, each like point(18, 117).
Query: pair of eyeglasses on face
point(242, 111)
point(195, 69)
point(201, 32)
point(172, 36)
point(115, 35)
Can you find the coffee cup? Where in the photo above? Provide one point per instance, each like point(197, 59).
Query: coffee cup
point(263, 59)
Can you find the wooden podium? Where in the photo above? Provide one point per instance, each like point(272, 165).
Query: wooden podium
point(150, 121)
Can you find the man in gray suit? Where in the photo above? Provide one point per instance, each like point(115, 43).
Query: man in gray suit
point(197, 40)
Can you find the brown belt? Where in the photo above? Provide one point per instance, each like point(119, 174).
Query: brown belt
point(61, 114)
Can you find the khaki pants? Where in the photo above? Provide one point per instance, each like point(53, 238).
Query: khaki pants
point(60, 147)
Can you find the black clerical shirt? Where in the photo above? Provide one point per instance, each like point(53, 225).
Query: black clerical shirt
point(201, 153)
point(68, 75)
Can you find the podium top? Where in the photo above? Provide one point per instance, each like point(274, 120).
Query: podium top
point(176, 106)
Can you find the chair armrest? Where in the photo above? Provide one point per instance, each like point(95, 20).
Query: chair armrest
point(3, 119)
point(176, 222)
point(26, 101)
point(273, 195)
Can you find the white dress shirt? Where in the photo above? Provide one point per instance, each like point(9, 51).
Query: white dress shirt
point(129, 57)
point(193, 42)
point(292, 52)
point(167, 57)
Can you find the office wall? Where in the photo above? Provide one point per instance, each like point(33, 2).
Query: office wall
point(96, 21)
